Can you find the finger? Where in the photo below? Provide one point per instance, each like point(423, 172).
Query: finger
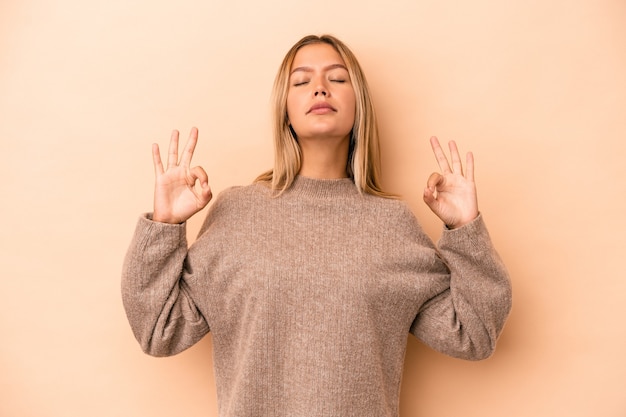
point(207, 195)
point(469, 165)
point(457, 166)
point(440, 155)
point(190, 147)
point(156, 159)
point(429, 197)
point(204, 194)
point(435, 181)
point(172, 155)
point(200, 175)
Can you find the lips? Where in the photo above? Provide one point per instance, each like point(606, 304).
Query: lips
point(321, 108)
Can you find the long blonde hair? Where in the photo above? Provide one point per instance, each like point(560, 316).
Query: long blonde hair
point(363, 165)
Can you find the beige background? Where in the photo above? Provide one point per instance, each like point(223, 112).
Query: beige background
point(537, 89)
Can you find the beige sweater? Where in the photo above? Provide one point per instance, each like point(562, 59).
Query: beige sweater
point(310, 296)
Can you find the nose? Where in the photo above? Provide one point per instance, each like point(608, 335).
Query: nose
point(320, 87)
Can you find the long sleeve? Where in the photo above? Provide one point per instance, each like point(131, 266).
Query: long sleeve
point(160, 310)
point(466, 317)
point(309, 296)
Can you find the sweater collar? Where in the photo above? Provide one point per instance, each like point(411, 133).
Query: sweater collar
point(322, 188)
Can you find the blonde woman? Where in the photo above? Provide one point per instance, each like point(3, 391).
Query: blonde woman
point(310, 278)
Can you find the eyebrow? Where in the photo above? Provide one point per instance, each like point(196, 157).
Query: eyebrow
point(326, 68)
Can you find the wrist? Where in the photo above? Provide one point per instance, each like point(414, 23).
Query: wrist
point(461, 223)
point(159, 218)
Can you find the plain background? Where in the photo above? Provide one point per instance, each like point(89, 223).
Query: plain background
point(536, 89)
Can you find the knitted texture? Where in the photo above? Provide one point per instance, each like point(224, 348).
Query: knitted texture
point(310, 296)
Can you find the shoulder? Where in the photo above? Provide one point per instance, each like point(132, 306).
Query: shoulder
point(392, 223)
point(392, 214)
point(241, 194)
point(232, 203)
point(395, 208)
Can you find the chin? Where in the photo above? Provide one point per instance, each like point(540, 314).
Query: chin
point(326, 132)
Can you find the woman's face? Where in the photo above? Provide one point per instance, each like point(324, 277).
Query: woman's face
point(320, 100)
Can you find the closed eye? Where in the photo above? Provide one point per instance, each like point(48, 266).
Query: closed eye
point(338, 81)
point(300, 83)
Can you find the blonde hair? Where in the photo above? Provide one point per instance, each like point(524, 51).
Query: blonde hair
point(363, 164)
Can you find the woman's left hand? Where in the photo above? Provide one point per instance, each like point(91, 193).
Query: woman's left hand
point(451, 194)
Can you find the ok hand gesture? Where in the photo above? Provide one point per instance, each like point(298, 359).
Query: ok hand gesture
point(177, 197)
point(451, 194)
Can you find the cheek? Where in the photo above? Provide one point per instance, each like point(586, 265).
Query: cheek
point(351, 100)
point(291, 106)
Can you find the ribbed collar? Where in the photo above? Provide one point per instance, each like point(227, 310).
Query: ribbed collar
point(322, 188)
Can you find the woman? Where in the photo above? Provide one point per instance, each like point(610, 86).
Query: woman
point(310, 279)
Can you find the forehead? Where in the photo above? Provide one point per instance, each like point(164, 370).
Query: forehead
point(316, 55)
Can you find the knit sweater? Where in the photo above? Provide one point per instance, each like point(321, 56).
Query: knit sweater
point(310, 296)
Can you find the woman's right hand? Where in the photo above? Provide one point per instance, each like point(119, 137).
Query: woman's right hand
point(177, 197)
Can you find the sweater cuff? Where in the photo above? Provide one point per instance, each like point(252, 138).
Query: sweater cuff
point(473, 236)
point(168, 236)
point(149, 216)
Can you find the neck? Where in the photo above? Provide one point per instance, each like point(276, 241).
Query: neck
point(324, 158)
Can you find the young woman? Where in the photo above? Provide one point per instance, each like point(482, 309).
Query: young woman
point(311, 278)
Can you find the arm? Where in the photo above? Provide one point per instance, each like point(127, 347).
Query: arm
point(466, 317)
point(155, 293)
